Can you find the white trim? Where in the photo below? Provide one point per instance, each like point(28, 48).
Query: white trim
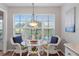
point(4, 30)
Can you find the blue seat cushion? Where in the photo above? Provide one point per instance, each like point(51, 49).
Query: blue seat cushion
point(54, 39)
point(17, 39)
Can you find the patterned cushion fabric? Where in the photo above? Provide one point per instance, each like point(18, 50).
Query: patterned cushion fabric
point(17, 39)
point(54, 39)
point(23, 47)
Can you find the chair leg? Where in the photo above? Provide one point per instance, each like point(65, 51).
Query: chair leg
point(20, 52)
point(28, 53)
point(13, 53)
point(38, 53)
point(47, 54)
point(38, 50)
point(58, 53)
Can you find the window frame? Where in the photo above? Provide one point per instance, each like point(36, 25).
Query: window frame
point(35, 19)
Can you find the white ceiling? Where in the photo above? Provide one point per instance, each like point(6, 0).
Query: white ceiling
point(36, 4)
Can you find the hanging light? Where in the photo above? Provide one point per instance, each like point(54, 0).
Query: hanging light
point(33, 22)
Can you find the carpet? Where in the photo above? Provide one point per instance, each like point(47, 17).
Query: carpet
point(9, 53)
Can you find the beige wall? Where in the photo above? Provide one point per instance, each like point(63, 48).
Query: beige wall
point(27, 10)
point(69, 36)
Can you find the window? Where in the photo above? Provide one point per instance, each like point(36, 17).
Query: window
point(46, 26)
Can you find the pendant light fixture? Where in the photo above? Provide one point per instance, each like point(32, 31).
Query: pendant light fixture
point(33, 23)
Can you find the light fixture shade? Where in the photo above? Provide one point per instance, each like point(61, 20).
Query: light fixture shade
point(33, 24)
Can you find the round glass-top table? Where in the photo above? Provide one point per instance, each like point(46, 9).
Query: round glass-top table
point(35, 45)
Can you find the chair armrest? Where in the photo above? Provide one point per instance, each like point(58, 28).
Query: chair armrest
point(17, 44)
point(52, 44)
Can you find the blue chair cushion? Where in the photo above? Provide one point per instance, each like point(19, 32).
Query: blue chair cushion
point(17, 39)
point(54, 39)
